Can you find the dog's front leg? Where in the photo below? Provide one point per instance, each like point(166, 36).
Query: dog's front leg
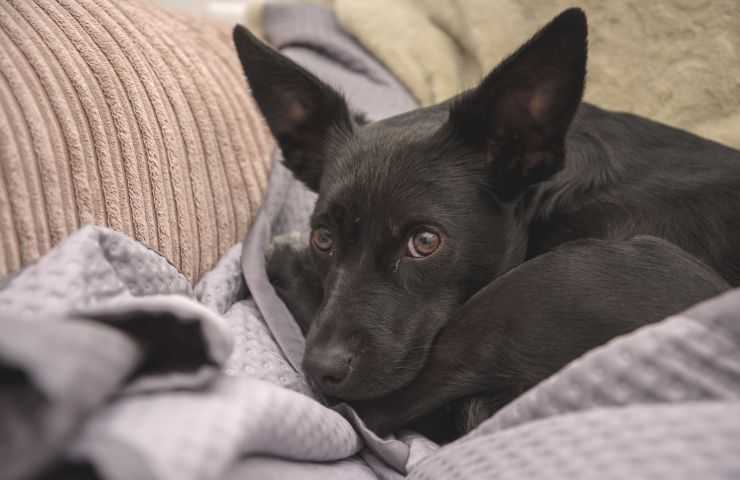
point(530, 322)
point(462, 363)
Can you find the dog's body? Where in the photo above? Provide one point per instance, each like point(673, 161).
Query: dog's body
point(418, 214)
point(625, 175)
point(529, 322)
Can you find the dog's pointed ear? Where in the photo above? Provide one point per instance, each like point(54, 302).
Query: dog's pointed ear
point(521, 111)
point(303, 113)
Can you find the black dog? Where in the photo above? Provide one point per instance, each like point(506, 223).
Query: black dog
point(522, 327)
point(418, 213)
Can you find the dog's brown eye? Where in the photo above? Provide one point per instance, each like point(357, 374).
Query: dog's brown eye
point(423, 243)
point(321, 239)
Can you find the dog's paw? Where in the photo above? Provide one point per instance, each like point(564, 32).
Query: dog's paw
point(293, 275)
point(292, 242)
point(285, 259)
point(470, 412)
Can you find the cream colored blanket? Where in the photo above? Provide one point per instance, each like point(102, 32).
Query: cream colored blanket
point(675, 61)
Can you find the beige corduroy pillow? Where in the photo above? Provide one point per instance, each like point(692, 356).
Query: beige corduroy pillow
point(118, 113)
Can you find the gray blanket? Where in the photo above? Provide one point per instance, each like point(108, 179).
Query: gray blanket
point(113, 366)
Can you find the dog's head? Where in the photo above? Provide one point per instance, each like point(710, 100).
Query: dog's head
point(417, 212)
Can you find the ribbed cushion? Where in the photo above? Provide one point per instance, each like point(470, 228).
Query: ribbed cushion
point(118, 113)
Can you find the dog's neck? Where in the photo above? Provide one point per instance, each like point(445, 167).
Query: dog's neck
point(553, 211)
point(588, 169)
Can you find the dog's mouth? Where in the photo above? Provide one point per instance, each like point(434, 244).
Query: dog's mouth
point(366, 363)
point(372, 374)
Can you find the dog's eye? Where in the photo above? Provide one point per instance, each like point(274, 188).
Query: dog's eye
point(423, 243)
point(321, 239)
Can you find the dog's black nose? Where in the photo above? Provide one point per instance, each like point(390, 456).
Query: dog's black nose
point(328, 367)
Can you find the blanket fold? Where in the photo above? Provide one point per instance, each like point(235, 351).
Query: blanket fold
point(110, 364)
point(72, 354)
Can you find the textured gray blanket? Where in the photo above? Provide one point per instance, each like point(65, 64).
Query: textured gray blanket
point(113, 366)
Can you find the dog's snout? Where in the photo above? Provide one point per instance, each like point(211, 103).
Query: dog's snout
point(328, 367)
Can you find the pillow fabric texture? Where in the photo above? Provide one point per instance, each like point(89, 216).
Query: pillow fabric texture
point(125, 115)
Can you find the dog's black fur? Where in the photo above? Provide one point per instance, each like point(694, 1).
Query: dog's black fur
point(529, 322)
point(501, 175)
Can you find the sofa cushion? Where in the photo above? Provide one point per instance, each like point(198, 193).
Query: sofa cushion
point(124, 115)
